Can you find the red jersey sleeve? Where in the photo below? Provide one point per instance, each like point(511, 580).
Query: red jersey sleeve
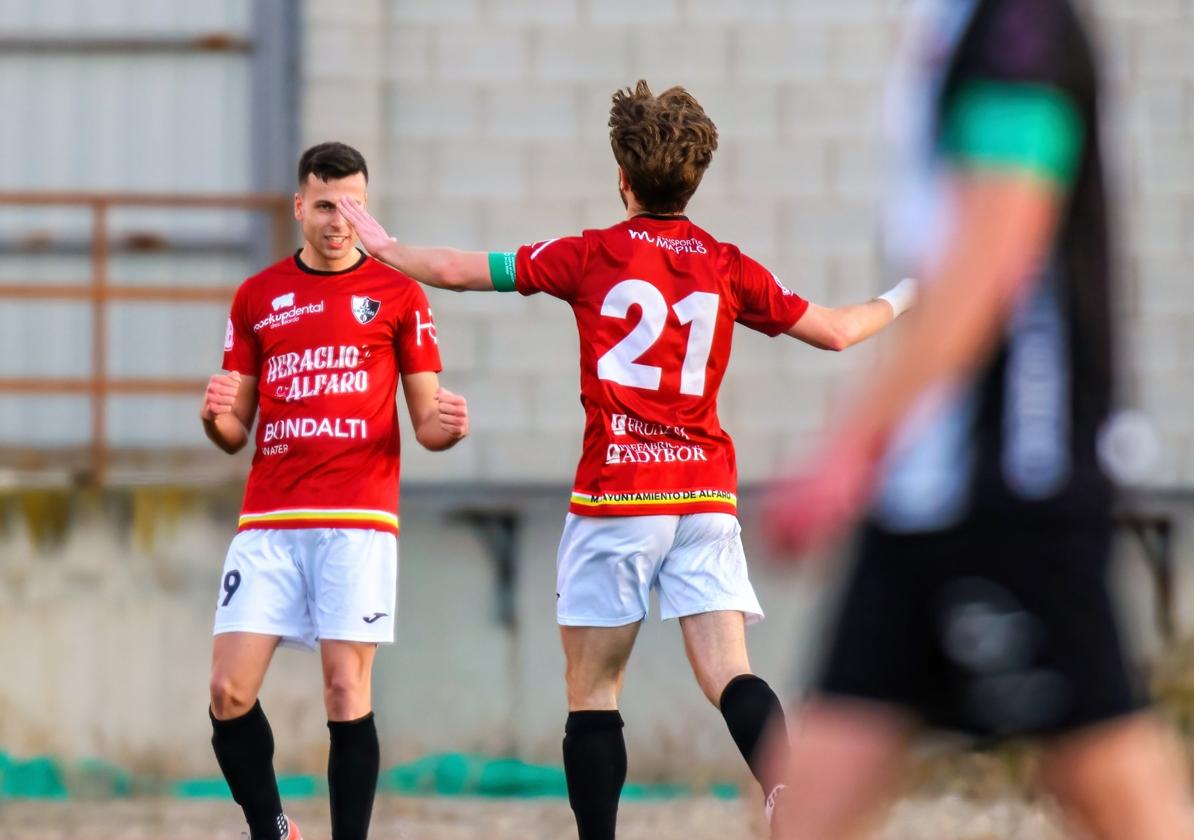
point(554, 266)
point(416, 342)
point(242, 352)
point(767, 305)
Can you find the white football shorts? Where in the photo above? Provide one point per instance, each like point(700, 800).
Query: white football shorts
point(607, 567)
point(307, 584)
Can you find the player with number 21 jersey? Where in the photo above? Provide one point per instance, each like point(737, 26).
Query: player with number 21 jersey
point(655, 313)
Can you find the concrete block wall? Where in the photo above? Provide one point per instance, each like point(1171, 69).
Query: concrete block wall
point(485, 125)
point(105, 622)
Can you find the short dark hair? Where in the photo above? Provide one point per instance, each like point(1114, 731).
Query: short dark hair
point(663, 143)
point(327, 161)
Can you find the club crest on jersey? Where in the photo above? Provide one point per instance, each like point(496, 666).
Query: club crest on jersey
point(364, 309)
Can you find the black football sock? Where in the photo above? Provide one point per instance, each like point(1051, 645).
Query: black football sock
point(245, 751)
point(595, 767)
point(353, 762)
point(753, 714)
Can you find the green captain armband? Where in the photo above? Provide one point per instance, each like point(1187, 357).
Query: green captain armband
point(1019, 127)
point(501, 270)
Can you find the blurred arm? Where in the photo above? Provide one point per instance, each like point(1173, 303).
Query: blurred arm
point(1004, 223)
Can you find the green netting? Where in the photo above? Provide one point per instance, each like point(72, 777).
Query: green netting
point(724, 790)
point(462, 774)
point(447, 774)
point(291, 787)
point(33, 778)
point(93, 778)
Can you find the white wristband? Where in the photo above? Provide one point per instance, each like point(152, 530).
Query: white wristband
point(901, 296)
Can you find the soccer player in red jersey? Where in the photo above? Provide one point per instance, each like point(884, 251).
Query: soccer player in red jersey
point(318, 342)
point(655, 299)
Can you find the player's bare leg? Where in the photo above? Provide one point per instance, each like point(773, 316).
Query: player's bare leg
point(1122, 779)
point(238, 665)
point(355, 755)
point(716, 646)
point(347, 678)
point(241, 736)
point(845, 759)
point(595, 664)
point(594, 749)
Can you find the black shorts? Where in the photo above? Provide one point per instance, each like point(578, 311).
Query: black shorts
point(993, 631)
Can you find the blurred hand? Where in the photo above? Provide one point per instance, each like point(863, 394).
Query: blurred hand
point(453, 413)
point(816, 502)
point(372, 235)
point(220, 395)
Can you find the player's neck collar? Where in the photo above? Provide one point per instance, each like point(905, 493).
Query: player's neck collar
point(302, 266)
point(661, 217)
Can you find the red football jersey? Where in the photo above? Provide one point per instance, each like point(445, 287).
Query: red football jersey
point(327, 349)
point(655, 300)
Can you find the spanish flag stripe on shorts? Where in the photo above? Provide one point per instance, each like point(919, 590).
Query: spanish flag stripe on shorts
point(321, 518)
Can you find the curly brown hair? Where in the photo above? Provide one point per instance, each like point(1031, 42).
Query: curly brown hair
point(663, 143)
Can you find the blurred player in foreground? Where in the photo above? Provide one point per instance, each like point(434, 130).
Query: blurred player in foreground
point(978, 601)
point(655, 300)
point(319, 340)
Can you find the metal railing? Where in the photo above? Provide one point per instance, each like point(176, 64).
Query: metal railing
point(100, 291)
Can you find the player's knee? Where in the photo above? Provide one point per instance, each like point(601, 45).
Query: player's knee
point(344, 693)
point(228, 698)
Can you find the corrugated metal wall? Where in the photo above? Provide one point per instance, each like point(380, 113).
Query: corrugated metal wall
point(120, 96)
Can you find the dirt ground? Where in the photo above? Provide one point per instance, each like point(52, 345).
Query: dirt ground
point(946, 818)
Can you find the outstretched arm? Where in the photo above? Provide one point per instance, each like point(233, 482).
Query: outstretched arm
point(839, 327)
point(440, 417)
point(444, 268)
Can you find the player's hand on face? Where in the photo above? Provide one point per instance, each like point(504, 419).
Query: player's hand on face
point(372, 235)
point(811, 505)
point(220, 395)
point(453, 413)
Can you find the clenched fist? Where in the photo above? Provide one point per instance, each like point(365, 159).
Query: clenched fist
point(453, 413)
point(220, 395)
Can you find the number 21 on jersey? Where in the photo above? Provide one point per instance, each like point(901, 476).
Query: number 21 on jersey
point(620, 363)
